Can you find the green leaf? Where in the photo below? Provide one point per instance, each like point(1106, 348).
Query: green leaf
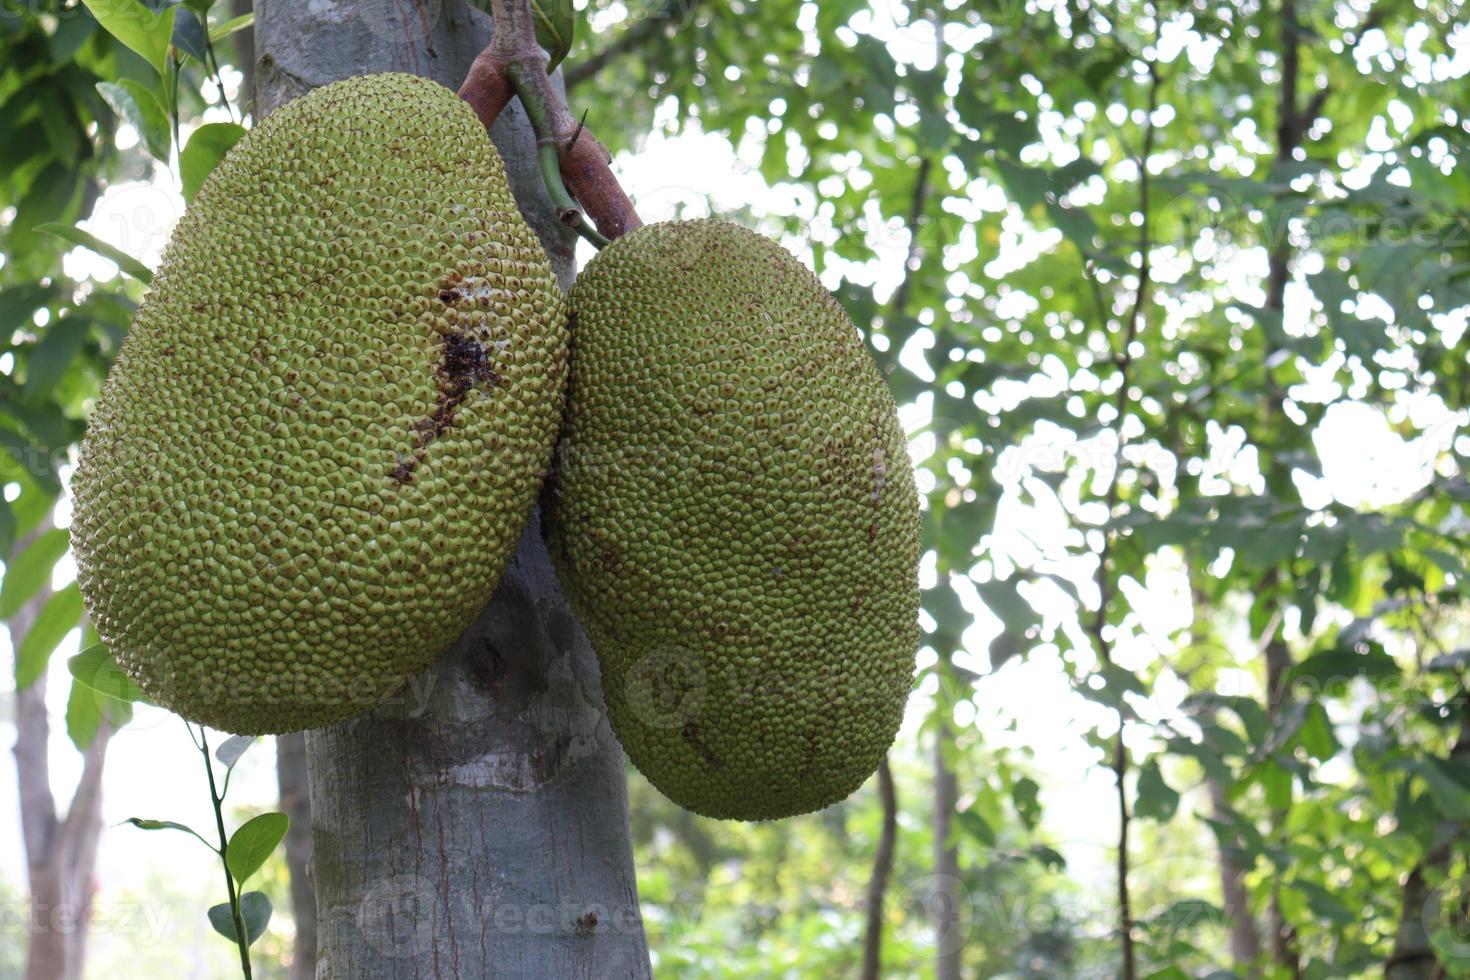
point(7, 530)
point(255, 909)
point(253, 842)
point(85, 709)
point(1452, 662)
point(147, 32)
point(1316, 735)
point(125, 262)
point(141, 109)
point(1333, 666)
point(1049, 857)
point(95, 668)
point(83, 715)
point(18, 304)
point(1027, 186)
point(976, 826)
point(1277, 784)
point(1025, 794)
point(206, 148)
point(30, 570)
point(61, 614)
point(229, 27)
point(555, 23)
point(1156, 800)
point(1450, 796)
point(232, 748)
point(188, 34)
point(144, 824)
point(53, 354)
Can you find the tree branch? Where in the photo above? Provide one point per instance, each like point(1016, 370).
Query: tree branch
point(1123, 361)
point(513, 63)
point(670, 14)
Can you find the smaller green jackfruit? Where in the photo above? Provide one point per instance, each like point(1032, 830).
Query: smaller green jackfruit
point(735, 519)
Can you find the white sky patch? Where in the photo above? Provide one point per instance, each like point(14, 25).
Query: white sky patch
point(1365, 463)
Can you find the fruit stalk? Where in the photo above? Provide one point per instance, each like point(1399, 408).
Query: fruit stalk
point(514, 64)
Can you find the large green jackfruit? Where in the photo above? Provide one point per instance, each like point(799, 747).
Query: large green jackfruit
point(735, 518)
point(328, 424)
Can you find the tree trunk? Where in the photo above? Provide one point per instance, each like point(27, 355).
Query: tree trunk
point(61, 854)
point(882, 868)
point(244, 42)
point(291, 780)
point(1245, 938)
point(945, 902)
point(1415, 955)
point(477, 825)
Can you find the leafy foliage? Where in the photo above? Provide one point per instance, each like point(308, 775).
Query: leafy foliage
point(1145, 291)
point(1139, 296)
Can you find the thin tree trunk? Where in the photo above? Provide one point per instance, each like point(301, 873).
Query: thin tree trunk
point(478, 825)
point(1245, 938)
point(1291, 123)
point(61, 854)
point(46, 954)
point(291, 780)
point(945, 902)
point(1414, 955)
point(1244, 932)
point(882, 869)
point(244, 54)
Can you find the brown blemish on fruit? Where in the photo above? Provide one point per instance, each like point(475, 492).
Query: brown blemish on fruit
point(690, 734)
point(463, 364)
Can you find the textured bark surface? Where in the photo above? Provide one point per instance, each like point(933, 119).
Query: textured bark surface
point(61, 853)
point(1245, 937)
point(946, 901)
point(882, 869)
point(477, 825)
point(291, 783)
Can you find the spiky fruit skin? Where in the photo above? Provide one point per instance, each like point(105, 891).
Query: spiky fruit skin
point(330, 419)
point(735, 518)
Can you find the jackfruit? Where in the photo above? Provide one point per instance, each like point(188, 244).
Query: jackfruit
point(733, 513)
point(330, 419)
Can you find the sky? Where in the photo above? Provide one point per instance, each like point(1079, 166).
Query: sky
point(153, 770)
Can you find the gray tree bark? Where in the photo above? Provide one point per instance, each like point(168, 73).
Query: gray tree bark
point(476, 826)
point(882, 869)
point(60, 852)
point(1245, 938)
point(947, 902)
point(291, 782)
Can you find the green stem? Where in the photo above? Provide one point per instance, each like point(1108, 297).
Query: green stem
point(173, 113)
point(548, 155)
point(219, 81)
point(566, 206)
point(217, 799)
